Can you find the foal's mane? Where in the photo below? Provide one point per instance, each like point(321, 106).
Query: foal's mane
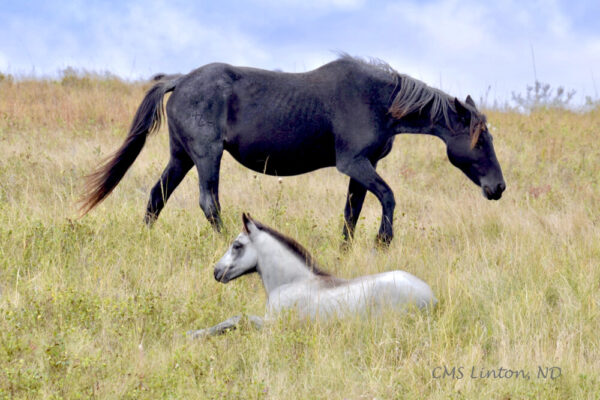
point(414, 95)
point(296, 248)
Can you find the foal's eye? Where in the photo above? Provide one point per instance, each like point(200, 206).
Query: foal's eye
point(237, 246)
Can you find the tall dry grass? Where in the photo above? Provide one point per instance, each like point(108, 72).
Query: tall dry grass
point(99, 307)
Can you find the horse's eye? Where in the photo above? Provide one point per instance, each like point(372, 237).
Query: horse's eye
point(237, 246)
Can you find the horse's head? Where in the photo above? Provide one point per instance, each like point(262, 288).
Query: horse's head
point(470, 148)
point(241, 258)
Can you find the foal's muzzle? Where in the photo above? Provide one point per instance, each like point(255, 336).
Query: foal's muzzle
point(220, 275)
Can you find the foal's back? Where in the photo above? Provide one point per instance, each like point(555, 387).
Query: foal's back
point(318, 298)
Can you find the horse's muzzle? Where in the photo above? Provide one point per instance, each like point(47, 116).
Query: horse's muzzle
point(493, 193)
point(220, 276)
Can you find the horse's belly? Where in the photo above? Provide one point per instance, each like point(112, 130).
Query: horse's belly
point(283, 153)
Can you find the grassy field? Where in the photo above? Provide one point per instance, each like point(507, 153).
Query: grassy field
point(99, 306)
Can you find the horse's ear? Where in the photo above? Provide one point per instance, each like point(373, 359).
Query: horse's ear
point(470, 101)
point(249, 225)
point(245, 221)
point(462, 111)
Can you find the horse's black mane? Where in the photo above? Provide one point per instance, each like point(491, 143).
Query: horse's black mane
point(414, 95)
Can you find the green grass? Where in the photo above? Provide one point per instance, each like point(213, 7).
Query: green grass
point(99, 306)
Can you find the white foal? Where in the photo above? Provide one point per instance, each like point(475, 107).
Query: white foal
point(292, 279)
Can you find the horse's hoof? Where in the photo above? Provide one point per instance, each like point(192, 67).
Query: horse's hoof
point(346, 246)
point(149, 219)
point(217, 225)
point(383, 241)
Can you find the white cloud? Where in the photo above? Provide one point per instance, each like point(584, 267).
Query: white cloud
point(464, 46)
point(314, 4)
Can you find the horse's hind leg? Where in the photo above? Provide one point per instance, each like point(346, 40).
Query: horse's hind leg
point(179, 164)
point(208, 163)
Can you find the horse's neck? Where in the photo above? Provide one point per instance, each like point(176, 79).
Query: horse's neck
point(421, 123)
point(277, 265)
point(416, 123)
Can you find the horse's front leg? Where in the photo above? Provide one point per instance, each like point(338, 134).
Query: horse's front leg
point(227, 325)
point(219, 329)
point(256, 321)
point(354, 202)
point(363, 172)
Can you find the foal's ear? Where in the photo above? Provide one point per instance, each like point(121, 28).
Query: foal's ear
point(249, 225)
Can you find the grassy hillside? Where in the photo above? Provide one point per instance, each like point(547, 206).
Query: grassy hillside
point(99, 306)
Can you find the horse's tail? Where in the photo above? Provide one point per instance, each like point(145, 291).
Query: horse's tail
point(147, 120)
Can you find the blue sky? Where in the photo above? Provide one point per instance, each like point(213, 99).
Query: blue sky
point(461, 46)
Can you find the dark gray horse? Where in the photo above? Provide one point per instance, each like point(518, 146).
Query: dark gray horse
point(343, 114)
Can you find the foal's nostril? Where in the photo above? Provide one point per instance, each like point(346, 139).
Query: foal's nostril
point(501, 187)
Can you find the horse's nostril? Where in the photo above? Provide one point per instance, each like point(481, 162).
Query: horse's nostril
point(501, 187)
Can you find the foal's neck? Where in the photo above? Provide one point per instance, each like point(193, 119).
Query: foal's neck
point(277, 265)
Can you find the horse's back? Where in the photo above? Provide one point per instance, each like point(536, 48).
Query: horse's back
point(272, 122)
point(401, 287)
point(371, 293)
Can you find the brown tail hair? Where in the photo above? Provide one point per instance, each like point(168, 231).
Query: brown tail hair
point(148, 118)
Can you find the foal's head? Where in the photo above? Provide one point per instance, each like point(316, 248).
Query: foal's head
point(470, 148)
point(241, 259)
